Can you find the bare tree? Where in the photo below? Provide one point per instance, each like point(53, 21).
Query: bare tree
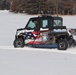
point(44, 6)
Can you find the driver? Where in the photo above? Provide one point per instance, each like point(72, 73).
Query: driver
point(35, 22)
point(37, 28)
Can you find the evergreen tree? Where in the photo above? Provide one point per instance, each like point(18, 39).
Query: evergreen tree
point(2, 4)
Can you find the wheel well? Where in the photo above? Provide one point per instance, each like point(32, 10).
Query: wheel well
point(21, 37)
point(61, 37)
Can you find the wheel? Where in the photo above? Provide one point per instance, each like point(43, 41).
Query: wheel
point(62, 45)
point(18, 43)
point(70, 42)
point(74, 43)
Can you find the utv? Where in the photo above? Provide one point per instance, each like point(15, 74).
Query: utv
point(44, 32)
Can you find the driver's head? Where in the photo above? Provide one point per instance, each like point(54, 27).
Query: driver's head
point(35, 22)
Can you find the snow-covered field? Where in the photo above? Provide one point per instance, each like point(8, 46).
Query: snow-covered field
point(32, 61)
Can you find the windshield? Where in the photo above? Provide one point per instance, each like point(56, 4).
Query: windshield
point(31, 25)
point(57, 23)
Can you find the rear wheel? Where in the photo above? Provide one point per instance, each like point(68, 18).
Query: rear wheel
point(62, 45)
point(74, 43)
point(18, 43)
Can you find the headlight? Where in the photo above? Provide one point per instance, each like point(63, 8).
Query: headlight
point(18, 33)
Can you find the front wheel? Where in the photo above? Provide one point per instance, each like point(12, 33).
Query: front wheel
point(18, 43)
point(62, 45)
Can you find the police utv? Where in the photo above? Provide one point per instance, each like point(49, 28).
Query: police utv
point(44, 32)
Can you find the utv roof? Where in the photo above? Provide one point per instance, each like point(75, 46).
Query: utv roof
point(54, 17)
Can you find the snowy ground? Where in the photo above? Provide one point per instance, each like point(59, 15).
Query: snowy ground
point(32, 61)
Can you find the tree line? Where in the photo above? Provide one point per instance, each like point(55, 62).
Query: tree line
point(63, 7)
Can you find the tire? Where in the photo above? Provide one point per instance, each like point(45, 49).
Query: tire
point(62, 45)
point(18, 43)
point(74, 43)
point(70, 42)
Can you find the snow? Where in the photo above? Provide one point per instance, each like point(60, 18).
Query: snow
point(32, 61)
point(69, 21)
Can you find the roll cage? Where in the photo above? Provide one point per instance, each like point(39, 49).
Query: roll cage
point(47, 22)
